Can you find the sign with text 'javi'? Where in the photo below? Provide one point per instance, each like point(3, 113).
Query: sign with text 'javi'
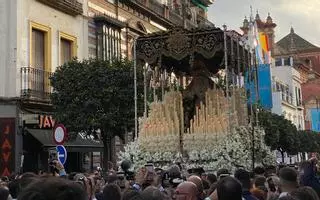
point(7, 143)
point(46, 121)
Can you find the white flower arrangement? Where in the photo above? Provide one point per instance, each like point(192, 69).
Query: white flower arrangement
point(230, 152)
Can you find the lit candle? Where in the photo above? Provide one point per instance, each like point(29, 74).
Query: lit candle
point(191, 126)
point(181, 113)
point(198, 116)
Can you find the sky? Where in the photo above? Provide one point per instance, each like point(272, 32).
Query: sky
point(303, 17)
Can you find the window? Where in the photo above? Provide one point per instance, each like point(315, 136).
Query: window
point(296, 93)
point(68, 47)
point(40, 46)
point(278, 87)
point(37, 80)
point(38, 49)
point(299, 97)
point(109, 42)
point(278, 62)
point(65, 51)
point(287, 62)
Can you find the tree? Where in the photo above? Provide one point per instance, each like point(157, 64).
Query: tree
point(309, 141)
point(281, 134)
point(266, 120)
point(95, 97)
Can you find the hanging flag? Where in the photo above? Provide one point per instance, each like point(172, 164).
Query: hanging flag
point(257, 44)
point(253, 42)
point(264, 42)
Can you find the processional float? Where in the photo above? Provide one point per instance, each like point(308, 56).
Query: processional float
point(192, 88)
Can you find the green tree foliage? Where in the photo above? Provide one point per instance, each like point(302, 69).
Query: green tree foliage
point(94, 95)
point(309, 141)
point(268, 121)
point(281, 134)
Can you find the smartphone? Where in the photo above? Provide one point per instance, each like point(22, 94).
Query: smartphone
point(150, 171)
point(53, 155)
point(150, 167)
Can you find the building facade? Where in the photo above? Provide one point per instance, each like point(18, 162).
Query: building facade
point(114, 25)
point(37, 36)
point(306, 60)
point(286, 94)
point(287, 99)
point(311, 102)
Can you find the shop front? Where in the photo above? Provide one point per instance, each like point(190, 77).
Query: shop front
point(84, 152)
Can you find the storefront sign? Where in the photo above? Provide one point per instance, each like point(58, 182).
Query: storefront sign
point(7, 142)
point(46, 122)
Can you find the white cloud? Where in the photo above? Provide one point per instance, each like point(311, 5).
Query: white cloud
point(304, 16)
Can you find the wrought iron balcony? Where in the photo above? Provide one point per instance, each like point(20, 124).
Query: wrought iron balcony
point(287, 98)
point(71, 7)
point(159, 11)
point(35, 84)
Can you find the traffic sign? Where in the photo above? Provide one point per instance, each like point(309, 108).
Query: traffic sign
point(62, 154)
point(59, 134)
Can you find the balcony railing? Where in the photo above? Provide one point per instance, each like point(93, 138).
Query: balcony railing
point(71, 7)
point(163, 12)
point(35, 83)
point(287, 98)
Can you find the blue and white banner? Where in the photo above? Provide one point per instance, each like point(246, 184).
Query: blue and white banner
point(315, 119)
point(264, 86)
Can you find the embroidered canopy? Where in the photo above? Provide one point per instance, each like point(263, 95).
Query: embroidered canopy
point(180, 50)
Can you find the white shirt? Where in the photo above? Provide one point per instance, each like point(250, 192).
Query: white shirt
point(283, 194)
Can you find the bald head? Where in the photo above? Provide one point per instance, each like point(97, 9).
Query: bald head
point(186, 191)
point(198, 182)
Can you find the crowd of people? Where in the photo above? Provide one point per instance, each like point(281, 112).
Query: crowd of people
point(148, 183)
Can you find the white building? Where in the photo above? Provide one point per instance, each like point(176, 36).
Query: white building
point(286, 93)
point(36, 36)
point(287, 96)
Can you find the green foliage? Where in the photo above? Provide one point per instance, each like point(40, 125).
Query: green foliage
point(309, 141)
point(272, 134)
point(282, 135)
point(93, 95)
